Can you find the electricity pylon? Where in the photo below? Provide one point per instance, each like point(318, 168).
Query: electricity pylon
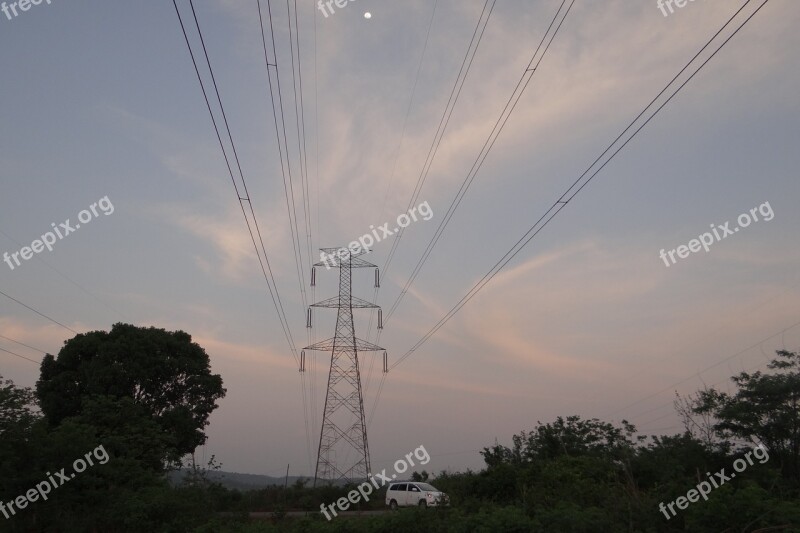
point(344, 430)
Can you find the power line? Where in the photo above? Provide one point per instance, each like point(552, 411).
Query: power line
point(289, 192)
point(516, 94)
point(445, 120)
point(266, 270)
point(20, 356)
point(700, 373)
point(511, 104)
point(22, 344)
point(301, 125)
point(672, 403)
point(391, 176)
point(26, 306)
point(567, 197)
point(629, 377)
point(67, 278)
point(408, 108)
point(703, 371)
point(303, 163)
point(313, 362)
point(269, 277)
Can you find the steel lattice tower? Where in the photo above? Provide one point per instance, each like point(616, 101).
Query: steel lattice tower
point(344, 431)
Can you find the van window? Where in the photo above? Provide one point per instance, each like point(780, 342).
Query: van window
point(413, 488)
point(400, 487)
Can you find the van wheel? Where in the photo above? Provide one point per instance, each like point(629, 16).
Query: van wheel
point(423, 504)
point(393, 505)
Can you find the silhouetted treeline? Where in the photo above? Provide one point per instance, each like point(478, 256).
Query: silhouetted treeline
point(90, 449)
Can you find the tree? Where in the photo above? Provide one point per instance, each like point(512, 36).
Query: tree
point(572, 437)
point(16, 407)
point(699, 425)
point(419, 476)
point(18, 422)
point(164, 374)
point(765, 408)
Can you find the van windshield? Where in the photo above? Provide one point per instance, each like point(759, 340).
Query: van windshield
point(425, 486)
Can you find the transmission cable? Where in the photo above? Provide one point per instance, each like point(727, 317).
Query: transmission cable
point(565, 198)
point(301, 125)
point(289, 192)
point(271, 283)
point(703, 371)
point(23, 344)
point(70, 280)
point(20, 356)
point(266, 270)
point(455, 93)
point(445, 120)
point(56, 322)
point(522, 83)
point(391, 178)
point(511, 104)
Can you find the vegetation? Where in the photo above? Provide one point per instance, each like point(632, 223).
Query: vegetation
point(145, 395)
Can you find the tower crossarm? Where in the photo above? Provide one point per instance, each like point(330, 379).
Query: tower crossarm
point(355, 262)
point(330, 258)
point(355, 302)
point(361, 346)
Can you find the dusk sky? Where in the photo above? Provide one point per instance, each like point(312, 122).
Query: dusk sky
point(101, 101)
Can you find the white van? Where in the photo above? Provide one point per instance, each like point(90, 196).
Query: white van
point(413, 493)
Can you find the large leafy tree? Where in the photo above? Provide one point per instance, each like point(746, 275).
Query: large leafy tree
point(18, 420)
point(570, 436)
point(16, 407)
point(765, 408)
point(159, 374)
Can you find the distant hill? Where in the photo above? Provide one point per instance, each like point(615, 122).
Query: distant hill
point(243, 482)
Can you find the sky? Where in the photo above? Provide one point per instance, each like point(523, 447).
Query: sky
point(102, 105)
